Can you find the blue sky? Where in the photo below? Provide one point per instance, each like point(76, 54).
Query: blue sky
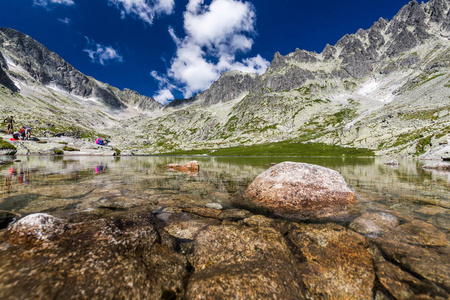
point(170, 49)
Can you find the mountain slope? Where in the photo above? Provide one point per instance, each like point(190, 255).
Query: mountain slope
point(386, 88)
point(43, 90)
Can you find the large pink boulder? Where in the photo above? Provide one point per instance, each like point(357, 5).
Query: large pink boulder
point(295, 186)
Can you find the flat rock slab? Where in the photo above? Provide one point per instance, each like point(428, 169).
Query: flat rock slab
point(338, 264)
point(295, 186)
point(401, 284)
point(236, 262)
point(430, 263)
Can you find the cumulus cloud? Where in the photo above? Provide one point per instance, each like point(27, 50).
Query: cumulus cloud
point(46, 3)
point(101, 54)
point(164, 95)
point(145, 10)
point(214, 34)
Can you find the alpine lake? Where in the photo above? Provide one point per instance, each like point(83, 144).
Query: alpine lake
point(204, 240)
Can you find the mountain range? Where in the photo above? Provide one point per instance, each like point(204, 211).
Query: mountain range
point(386, 88)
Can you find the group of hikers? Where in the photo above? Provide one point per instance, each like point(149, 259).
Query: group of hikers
point(24, 132)
point(100, 141)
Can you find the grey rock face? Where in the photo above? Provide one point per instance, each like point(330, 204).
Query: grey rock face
point(4, 78)
point(294, 78)
point(137, 100)
point(437, 9)
point(278, 62)
point(228, 87)
point(328, 52)
point(6, 81)
point(304, 56)
point(43, 65)
point(404, 41)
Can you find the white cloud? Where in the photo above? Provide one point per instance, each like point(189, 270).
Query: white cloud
point(214, 34)
point(146, 10)
point(164, 96)
point(222, 20)
point(66, 21)
point(102, 54)
point(46, 3)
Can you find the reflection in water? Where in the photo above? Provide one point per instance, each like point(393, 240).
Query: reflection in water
point(68, 185)
point(98, 169)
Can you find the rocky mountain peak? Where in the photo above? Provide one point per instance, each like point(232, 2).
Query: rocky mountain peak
point(358, 54)
point(230, 85)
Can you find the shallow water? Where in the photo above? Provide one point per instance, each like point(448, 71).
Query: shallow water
point(127, 222)
point(64, 186)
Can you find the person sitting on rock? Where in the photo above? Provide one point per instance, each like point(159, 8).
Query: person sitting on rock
point(27, 132)
point(99, 141)
point(22, 132)
point(15, 136)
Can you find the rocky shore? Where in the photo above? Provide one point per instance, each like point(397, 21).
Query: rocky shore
point(55, 146)
point(189, 250)
point(74, 146)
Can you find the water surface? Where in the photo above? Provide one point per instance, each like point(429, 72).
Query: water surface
point(64, 186)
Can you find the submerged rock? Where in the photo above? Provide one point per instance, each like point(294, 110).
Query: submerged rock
point(423, 262)
point(183, 226)
point(234, 262)
point(393, 162)
point(337, 263)
point(295, 186)
point(214, 205)
point(374, 223)
point(438, 166)
point(259, 220)
point(418, 233)
point(115, 258)
point(401, 284)
point(36, 228)
point(190, 168)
